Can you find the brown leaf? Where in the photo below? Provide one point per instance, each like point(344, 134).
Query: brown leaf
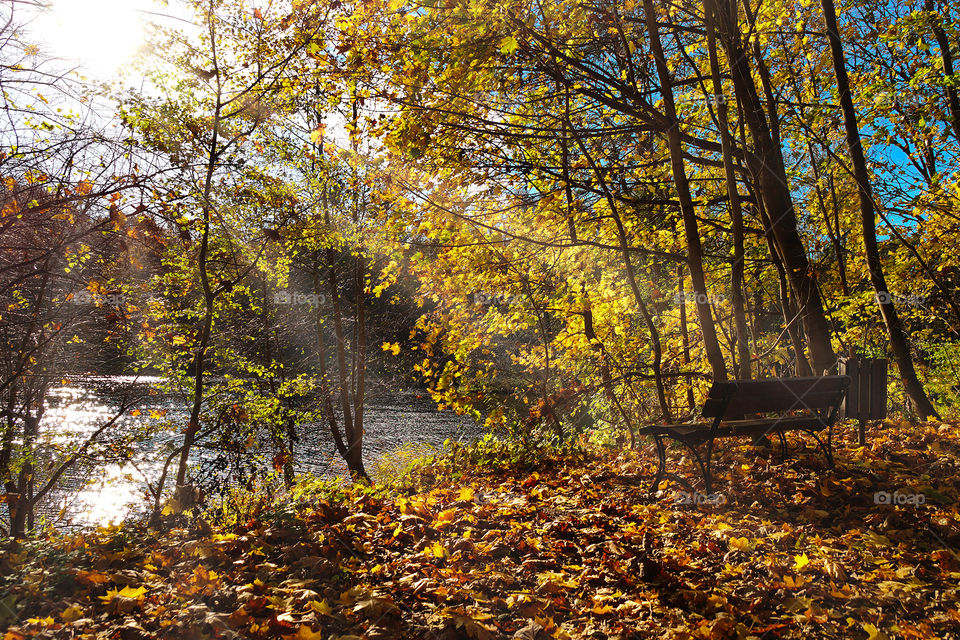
point(376, 608)
point(532, 631)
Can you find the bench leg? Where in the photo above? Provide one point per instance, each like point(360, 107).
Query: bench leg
point(829, 450)
point(705, 465)
point(661, 463)
point(783, 445)
point(703, 462)
point(826, 448)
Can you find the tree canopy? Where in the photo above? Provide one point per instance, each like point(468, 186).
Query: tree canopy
point(563, 218)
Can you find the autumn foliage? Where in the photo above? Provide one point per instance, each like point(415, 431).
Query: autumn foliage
point(569, 547)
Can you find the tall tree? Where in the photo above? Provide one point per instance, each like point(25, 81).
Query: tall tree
point(690, 227)
point(767, 164)
point(899, 342)
point(220, 86)
point(741, 336)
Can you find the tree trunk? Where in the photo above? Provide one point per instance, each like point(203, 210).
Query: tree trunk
point(206, 208)
point(899, 342)
point(624, 244)
point(18, 516)
point(787, 306)
point(685, 337)
point(199, 358)
point(836, 237)
point(742, 368)
point(326, 394)
point(687, 212)
point(770, 171)
point(354, 457)
point(285, 443)
point(360, 367)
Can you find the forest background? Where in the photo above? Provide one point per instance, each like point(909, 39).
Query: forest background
point(563, 218)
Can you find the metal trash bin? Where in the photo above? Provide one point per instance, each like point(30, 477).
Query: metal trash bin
point(867, 394)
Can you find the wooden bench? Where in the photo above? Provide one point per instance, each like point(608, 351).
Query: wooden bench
point(808, 404)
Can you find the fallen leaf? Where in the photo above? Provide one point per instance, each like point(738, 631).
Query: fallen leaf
point(71, 614)
point(321, 607)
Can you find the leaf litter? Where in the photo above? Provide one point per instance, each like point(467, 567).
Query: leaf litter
point(572, 547)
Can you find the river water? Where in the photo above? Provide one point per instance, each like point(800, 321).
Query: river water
point(395, 422)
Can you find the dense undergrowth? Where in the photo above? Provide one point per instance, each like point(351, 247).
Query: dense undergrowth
point(490, 541)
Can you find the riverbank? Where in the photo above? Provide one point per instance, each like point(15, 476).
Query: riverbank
point(396, 420)
point(490, 542)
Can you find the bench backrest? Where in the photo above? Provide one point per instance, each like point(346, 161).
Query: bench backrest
point(735, 398)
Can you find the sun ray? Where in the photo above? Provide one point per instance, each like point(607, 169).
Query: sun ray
point(99, 35)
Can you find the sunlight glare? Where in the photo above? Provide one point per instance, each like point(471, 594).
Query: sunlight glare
point(110, 500)
point(101, 35)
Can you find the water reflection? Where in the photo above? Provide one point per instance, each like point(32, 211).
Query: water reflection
point(108, 503)
point(107, 493)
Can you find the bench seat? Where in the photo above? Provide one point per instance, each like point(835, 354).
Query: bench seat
point(809, 404)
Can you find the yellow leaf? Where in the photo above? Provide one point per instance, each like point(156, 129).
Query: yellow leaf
point(740, 544)
point(305, 633)
point(91, 577)
point(123, 601)
point(466, 493)
point(394, 348)
point(446, 515)
point(71, 614)
point(437, 550)
point(508, 45)
point(793, 583)
point(111, 594)
point(130, 592)
point(800, 562)
point(873, 633)
point(321, 607)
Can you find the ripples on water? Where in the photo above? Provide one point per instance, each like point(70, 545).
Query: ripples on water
point(102, 494)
